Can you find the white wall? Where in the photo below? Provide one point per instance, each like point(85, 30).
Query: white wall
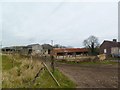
point(115, 50)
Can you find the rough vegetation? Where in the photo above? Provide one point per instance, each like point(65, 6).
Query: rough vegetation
point(20, 72)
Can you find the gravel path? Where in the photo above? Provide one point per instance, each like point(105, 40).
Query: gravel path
point(91, 76)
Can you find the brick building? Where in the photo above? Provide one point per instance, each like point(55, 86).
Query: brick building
point(110, 47)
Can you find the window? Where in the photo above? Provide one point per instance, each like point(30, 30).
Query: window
point(105, 50)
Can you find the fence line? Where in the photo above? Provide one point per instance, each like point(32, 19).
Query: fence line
point(51, 74)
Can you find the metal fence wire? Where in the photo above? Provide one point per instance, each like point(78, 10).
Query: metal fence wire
point(48, 60)
point(48, 63)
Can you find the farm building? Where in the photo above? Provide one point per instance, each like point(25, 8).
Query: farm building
point(35, 49)
point(69, 51)
point(12, 49)
point(25, 50)
point(46, 49)
point(8, 50)
point(110, 48)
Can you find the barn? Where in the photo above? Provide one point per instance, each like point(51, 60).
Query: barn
point(70, 51)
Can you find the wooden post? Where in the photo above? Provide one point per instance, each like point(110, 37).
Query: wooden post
point(51, 74)
point(52, 63)
point(75, 55)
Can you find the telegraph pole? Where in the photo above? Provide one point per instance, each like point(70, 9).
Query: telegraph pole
point(52, 42)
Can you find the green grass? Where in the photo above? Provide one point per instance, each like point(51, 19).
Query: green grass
point(46, 81)
point(64, 81)
point(113, 58)
point(90, 62)
point(8, 63)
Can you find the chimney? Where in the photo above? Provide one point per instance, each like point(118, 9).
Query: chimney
point(114, 40)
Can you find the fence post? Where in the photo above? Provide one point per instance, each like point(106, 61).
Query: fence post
point(51, 74)
point(52, 63)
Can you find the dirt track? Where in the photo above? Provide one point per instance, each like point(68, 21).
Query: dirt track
point(91, 76)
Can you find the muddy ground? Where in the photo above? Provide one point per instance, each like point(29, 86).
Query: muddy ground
point(91, 76)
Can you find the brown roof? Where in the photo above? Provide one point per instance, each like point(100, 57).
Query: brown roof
point(112, 43)
point(70, 50)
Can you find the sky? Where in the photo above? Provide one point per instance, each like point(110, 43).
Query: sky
point(66, 23)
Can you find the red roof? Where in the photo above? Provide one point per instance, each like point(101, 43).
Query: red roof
point(70, 50)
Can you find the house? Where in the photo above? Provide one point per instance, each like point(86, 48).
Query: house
point(69, 51)
point(110, 47)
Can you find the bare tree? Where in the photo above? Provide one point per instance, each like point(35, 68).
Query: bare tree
point(91, 43)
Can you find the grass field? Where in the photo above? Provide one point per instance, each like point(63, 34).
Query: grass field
point(19, 72)
point(8, 63)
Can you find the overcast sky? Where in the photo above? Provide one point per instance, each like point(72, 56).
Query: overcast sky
point(66, 23)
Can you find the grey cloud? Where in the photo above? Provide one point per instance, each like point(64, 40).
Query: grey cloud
point(65, 23)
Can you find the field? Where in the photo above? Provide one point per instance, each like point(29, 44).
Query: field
point(20, 72)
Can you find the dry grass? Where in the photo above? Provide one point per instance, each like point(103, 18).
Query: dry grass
point(21, 76)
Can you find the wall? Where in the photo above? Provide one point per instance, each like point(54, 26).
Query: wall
point(106, 46)
point(37, 49)
point(115, 51)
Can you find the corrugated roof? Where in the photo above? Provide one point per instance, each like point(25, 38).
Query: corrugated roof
point(47, 46)
point(70, 50)
point(32, 45)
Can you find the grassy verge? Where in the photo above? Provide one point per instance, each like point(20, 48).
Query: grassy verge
point(0, 71)
point(64, 81)
point(90, 62)
point(23, 72)
point(113, 58)
point(46, 81)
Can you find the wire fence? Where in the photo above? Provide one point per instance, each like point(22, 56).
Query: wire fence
point(48, 60)
point(47, 63)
